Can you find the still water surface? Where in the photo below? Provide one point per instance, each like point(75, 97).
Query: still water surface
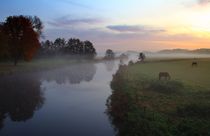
point(69, 101)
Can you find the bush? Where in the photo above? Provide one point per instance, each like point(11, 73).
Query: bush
point(194, 110)
point(189, 127)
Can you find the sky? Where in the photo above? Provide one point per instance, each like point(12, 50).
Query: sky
point(140, 25)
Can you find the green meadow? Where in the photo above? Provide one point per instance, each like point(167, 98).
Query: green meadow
point(141, 104)
point(179, 69)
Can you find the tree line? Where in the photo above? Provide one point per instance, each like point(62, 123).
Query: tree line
point(72, 46)
point(20, 40)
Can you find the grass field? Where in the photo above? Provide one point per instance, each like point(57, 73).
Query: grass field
point(141, 104)
point(180, 70)
point(32, 66)
point(41, 64)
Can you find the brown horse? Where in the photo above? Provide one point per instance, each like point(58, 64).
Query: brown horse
point(194, 63)
point(164, 75)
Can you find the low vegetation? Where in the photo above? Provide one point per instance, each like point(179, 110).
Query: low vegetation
point(141, 104)
point(7, 68)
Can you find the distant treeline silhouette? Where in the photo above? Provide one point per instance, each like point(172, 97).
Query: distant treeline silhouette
point(72, 46)
point(198, 51)
point(20, 40)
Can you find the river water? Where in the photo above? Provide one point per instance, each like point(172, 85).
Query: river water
point(68, 101)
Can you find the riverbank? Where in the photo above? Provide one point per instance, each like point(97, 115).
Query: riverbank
point(141, 104)
point(33, 66)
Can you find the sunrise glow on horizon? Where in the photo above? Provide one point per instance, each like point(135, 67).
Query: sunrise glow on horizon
point(121, 24)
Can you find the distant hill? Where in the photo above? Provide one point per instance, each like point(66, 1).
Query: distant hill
point(203, 51)
point(197, 51)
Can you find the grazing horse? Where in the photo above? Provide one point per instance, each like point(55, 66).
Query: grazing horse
point(194, 63)
point(165, 75)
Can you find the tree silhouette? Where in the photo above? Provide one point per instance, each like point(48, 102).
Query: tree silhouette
point(88, 49)
point(142, 57)
point(74, 46)
point(36, 24)
point(59, 44)
point(109, 54)
point(23, 34)
point(77, 47)
point(3, 44)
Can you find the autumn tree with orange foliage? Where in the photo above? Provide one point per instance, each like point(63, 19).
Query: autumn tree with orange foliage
point(23, 34)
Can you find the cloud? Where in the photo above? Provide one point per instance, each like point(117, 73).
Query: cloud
point(77, 4)
point(67, 21)
point(203, 2)
point(134, 29)
point(126, 41)
point(197, 4)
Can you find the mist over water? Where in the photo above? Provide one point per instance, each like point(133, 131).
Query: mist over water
point(68, 100)
point(64, 101)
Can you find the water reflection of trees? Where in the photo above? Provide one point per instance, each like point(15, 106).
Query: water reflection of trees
point(73, 74)
point(20, 97)
point(109, 64)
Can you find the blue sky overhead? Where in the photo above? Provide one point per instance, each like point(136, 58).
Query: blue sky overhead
point(121, 24)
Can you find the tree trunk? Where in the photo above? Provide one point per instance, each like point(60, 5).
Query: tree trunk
point(15, 62)
point(16, 57)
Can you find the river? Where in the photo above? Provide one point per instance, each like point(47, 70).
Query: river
point(67, 101)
